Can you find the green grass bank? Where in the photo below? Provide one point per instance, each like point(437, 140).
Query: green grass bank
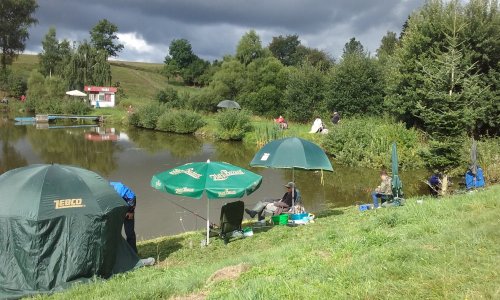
point(442, 248)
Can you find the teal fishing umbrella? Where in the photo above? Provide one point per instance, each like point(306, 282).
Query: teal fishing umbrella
point(215, 179)
point(228, 104)
point(292, 153)
point(397, 185)
point(59, 225)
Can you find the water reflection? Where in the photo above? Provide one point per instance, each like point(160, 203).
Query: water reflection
point(234, 153)
point(179, 146)
point(100, 134)
point(68, 146)
point(10, 158)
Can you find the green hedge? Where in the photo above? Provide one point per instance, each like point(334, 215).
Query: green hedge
point(147, 116)
point(180, 121)
point(233, 124)
point(366, 142)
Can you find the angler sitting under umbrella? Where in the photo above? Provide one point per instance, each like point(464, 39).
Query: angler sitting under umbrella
point(274, 206)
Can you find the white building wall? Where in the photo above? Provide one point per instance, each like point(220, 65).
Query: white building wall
point(102, 103)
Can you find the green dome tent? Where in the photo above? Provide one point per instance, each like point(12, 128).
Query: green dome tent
point(58, 225)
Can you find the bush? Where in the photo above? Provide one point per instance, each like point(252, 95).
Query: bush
point(180, 121)
point(205, 101)
point(44, 106)
point(232, 124)
point(147, 116)
point(134, 119)
point(169, 96)
point(443, 155)
point(76, 107)
point(13, 84)
point(366, 142)
point(17, 86)
point(489, 158)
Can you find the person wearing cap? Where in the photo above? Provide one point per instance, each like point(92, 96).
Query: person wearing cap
point(274, 206)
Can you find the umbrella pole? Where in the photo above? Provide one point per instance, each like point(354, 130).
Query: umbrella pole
point(208, 220)
point(293, 190)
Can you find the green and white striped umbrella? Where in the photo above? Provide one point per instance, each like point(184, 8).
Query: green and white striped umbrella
point(216, 179)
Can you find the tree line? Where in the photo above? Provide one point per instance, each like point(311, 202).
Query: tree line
point(441, 75)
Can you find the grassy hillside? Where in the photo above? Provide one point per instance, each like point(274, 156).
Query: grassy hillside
point(442, 248)
point(140, 81)
point(24, 64)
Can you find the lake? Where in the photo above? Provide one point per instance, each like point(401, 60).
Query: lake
point(134, 155)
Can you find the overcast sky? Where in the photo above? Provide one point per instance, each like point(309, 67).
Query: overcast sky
point(214, 27)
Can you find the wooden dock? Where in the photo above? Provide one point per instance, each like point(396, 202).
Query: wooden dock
point(49, 118)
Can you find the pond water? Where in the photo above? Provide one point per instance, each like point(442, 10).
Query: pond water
point(134, 155)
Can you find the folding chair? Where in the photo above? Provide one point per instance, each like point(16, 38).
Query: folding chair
point(231, 216)
point(396, 199)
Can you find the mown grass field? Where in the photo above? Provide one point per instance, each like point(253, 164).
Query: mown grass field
point(446, 248)
point(140, 81)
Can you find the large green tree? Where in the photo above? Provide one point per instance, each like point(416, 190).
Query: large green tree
point(291, 52)
point(388, 45)
point(353, 46)
point(88, 66)
point(181, 61)
point(55, 55)
point(459, 43)
point(16, 16)
point(228, 82)
point(49, 57)
point(103, 37)
point(305, 93)
point(263, 87)
point(285, 49)
point(180, 53)
point(356, 86)
point(249, 47)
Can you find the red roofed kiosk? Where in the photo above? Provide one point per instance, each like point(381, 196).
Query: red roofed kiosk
point(101, 96)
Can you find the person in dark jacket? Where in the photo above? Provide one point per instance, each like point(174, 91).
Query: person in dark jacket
point(128, 223)
point(274, 206)
point(434, 184)
point(335, 118)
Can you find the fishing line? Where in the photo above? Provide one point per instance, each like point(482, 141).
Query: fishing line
point(188, 210)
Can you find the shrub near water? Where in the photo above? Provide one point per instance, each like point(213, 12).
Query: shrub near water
point(44, 106)
point(180, 121)
point(489, 158)
point(147, 116)
point(367, 142)
point(76, 107)
point(232, 124)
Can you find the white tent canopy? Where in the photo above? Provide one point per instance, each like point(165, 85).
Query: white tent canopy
point(76, 93)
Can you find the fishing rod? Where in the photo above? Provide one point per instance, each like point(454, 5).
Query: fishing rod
point(192, 212)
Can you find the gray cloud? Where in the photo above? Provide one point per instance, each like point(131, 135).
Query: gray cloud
point(214, 26)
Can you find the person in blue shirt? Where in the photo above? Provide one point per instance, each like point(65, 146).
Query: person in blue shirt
point(435, 184)
point(128, 224)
